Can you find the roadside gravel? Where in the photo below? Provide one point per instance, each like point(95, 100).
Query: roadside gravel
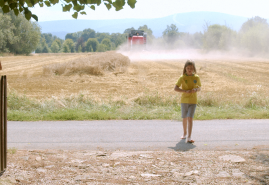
point(136, 167)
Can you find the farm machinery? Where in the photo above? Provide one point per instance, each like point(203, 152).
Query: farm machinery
point(137, 39)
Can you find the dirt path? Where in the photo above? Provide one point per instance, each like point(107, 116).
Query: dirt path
point(136, 167)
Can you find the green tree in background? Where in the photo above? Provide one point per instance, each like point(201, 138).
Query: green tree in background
point(107, 43)
point(77, 6)
point(254, 36)
point(69, 43)
point(74, 36)
point(46, 49)
point(101, 36)
point(92, 45)
point(117, 39)
point(17, 35)
point(171, 34)
point(87, 33)
point(66, 48)
point(219, 37)
point(128, 30)
point(55, 47)
point(80, 44)
point(6, 32)
point(101, 48)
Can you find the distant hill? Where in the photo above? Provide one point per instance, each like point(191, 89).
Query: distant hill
point(186, 22)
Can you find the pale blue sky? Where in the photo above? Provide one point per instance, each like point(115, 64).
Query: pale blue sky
point(160, 8)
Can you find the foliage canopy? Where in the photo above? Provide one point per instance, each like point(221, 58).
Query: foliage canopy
point(77, 6)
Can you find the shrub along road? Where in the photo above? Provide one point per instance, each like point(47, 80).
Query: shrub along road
point(138, 135)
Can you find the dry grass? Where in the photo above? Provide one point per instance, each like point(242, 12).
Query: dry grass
point(93, 64)
point(237, 81)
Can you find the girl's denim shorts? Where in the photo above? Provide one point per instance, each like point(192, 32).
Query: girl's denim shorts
point(187, 110)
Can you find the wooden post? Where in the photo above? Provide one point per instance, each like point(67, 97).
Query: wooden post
point(3, 124)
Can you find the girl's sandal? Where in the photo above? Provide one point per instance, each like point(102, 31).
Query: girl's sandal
point(190, 141)
point(183, 137)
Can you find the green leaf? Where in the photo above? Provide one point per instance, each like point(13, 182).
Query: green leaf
point(54, 2)
point(108, 6)
point(35, 17)
point(41, 4)
point(12, 5)
point(5, 8)
point(68, 1)
point(2, 3)
point(92, 7)
point(131, 3)
point(118, 4)
point(74, 2)
point(99, 2)
point(83, 13)
point(21, 9)
point(16, 12)
point(28, 15)
point(29, 4)
point(75, 15)
point(67, 7)
point(109, 1)
point(21, 2)
point(79, 7)
point(47, 3)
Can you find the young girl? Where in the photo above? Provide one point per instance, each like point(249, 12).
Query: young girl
point(191, 84)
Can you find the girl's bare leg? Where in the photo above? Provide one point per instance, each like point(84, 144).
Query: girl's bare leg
point(190, 121)
point(184, 123)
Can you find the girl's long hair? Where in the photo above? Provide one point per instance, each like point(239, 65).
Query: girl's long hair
point(188, 63)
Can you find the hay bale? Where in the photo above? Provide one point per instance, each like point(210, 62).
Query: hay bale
point(96, 64)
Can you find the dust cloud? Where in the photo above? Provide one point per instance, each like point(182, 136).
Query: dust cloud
point(184, 54)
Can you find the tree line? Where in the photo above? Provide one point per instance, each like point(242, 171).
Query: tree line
point(19, 36)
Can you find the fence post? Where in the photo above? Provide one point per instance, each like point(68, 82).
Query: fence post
point(3, 124)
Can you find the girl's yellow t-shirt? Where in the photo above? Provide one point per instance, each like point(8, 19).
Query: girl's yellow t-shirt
point(189, 83)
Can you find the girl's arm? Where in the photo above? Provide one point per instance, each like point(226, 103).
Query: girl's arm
point(197, 89)
point(178, 89)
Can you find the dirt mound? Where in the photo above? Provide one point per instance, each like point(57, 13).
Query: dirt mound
point(93, 64)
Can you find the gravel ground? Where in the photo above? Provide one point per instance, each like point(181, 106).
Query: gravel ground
point(136, 167)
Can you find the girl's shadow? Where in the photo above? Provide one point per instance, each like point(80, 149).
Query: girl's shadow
point(183, 146)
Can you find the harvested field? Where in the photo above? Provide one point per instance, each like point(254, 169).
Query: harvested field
point(224, 79)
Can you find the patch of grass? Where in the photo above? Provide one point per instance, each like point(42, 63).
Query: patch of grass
point(147, 106)
point(12, 150)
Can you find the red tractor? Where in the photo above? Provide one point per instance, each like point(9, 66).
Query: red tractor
point(137, 39)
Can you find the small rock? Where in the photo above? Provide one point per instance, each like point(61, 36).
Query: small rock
point(38, 158)
point(232, 158)
point(41, 170)
point(150, 175)
point(132, 177)
point(105, 165)
point(237, 173)
point(51, 166)
point(81, 177)
point(26, 158)
point(223, 174)
point(267, 177)
point(188, 174)
point(178, 175)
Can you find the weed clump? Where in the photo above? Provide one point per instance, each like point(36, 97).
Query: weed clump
point(93, 64)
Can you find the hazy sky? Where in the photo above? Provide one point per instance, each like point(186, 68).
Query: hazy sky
point(161, 8)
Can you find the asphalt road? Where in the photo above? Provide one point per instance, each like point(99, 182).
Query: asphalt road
point(138, 135)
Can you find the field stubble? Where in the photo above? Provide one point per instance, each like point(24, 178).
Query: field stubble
point(225, 82)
